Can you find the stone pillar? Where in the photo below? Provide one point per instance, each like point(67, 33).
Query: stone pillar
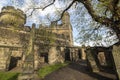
point(77, 54)
point(55, 56)
point(62, 54)
point(5, 56)
point(28, 66)
point(52, 55)
point(36, 57)
point(91, 60)
point(71, 54)
point(29, 57)
point(116, 57)
point(83, 54)
point(62, 51)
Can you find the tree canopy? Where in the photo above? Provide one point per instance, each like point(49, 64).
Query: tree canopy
point(97, 21)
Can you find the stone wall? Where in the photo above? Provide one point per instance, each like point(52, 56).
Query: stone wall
point(55, 56)
point(4, 58)
point(14, 42)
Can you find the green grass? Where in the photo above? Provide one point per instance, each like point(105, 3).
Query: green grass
point(42, 72)
point(8, 75)
point(50, 68)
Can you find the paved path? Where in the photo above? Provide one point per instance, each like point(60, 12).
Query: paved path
point(78, 71)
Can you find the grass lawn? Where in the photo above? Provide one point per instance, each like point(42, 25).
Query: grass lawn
point(8, 75)
point(50, 68)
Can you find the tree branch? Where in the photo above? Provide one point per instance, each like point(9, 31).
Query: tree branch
point(66, 10)
point(91, 11)
point(49, 5)
point(42, 8)
point(31, 12)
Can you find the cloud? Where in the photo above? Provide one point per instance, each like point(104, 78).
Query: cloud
point(3, 3)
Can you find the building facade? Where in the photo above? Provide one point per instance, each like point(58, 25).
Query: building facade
point(14, 39)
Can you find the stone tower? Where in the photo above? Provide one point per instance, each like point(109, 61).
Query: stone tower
point(12, 17)
point(67, 28)
point(64, 29)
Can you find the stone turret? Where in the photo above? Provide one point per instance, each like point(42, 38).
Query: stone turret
point(66, 19)
point(13, 17)
point(67, 25)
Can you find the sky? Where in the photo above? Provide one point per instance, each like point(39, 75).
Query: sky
point(79, 17)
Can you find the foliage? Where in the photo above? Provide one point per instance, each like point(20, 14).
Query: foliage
point(51, 68)
point(8, 75)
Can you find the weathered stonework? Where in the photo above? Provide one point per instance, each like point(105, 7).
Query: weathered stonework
point(5, 58)
point(11, 16)
point(54, 56)
point(15, 36)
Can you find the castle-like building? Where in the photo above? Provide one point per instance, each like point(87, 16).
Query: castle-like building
point(14, 37)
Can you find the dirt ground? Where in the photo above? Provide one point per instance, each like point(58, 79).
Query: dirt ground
point(79, 71)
